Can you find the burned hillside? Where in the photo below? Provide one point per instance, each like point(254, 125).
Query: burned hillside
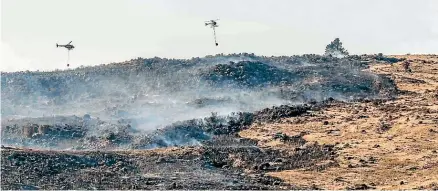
point(135, 98)
point(151, 83)
point(175, 124)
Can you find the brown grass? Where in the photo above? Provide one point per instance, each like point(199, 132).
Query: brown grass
point(406, 153)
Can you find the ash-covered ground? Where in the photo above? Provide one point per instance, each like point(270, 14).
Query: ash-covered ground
point(64, 109)
point(101, 122)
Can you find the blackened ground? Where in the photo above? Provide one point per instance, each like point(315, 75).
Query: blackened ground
point(118, 89)
point(275, 113)
point(84, 133)
point(222, 160)
point(124, 170)
point(265, 160)
point(239, 165)
point(250, 74)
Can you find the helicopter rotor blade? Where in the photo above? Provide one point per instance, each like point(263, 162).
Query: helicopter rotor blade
point(210, 21)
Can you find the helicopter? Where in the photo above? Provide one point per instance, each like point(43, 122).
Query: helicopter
point(213, 24)
point(69, 47)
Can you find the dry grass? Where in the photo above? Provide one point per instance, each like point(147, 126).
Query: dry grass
point(406, 152)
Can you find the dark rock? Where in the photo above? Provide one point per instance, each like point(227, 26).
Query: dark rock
point(264, 166)
point(383, 127)
point(360, 187)
point(161, 160)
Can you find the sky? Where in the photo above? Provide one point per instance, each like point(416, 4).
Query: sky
point(105, 31)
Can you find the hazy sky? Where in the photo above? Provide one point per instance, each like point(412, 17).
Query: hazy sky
point(106, 31)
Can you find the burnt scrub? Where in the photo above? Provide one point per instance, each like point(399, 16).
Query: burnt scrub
point(213, 166)
point(123, 170)
point(174, 124)
point(217, 162)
